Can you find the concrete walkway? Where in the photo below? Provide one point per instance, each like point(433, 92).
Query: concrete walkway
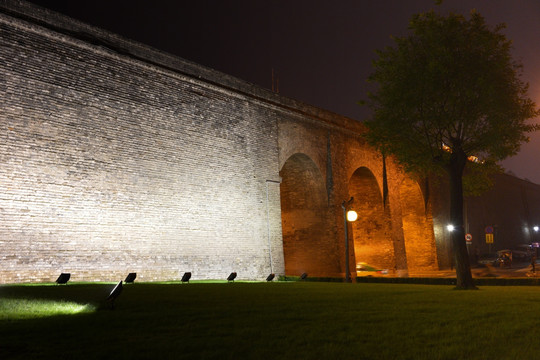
point(518, 270)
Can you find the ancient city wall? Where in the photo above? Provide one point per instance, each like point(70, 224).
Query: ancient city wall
point(112, 164)
point(119, 158)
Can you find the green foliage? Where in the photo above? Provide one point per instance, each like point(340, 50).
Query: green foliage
point(452, 81)
point(289, 320)
point(477, 178)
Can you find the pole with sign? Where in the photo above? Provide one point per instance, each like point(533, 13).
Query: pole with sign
point(468, 241)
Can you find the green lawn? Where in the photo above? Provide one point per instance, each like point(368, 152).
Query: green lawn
point(280, 320)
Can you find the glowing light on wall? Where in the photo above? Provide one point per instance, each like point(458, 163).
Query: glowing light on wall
point(352, 215)
point(450, 227)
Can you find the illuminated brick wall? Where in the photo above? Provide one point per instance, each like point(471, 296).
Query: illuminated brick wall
point(417, 229)
point(324, 162)
point(118, 158)
point(113, 163)
point(308, 237)
point(372, 240)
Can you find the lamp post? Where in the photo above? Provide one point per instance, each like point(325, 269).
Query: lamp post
point(450, 228)
point(348, 216)
point(535, 239)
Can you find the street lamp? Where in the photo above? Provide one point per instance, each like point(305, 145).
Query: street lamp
point(352, 215)
point(450, 227)
point(348, 215)
point(535, 243)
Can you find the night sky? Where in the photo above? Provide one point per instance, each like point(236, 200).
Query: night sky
point(320, 50)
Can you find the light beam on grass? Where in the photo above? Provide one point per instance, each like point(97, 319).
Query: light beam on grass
point(33, 308)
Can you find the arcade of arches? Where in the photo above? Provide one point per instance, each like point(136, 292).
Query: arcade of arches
point(312, 243)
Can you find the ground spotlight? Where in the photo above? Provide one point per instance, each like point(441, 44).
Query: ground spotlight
point(186, 277)
point(115, 293)
point(303, 276)
point(130, 278)
point(270, 277)
point(231, 277)
point(63, 278)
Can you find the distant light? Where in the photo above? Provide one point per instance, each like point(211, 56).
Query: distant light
point(536, 228)
point(352, 215)
point(446, 148)
point(471, 158)
point(450, 227)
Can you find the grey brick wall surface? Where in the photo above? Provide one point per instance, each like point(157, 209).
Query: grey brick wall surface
point(113, 165)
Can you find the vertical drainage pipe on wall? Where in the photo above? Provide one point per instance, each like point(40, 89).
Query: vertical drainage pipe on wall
point(268, 221)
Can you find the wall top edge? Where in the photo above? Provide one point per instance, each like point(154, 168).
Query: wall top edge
point(65, 25)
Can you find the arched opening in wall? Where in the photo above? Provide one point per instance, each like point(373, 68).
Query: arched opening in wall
point(371, 232)
point(308, 245)
point(417, 228)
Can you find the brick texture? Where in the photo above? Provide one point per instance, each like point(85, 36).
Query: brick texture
point(111, 165)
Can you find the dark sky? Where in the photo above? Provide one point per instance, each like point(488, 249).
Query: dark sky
point(320, 50)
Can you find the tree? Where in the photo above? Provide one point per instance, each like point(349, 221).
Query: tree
point(449, 93)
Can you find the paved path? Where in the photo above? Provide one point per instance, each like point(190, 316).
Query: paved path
point(517, 270)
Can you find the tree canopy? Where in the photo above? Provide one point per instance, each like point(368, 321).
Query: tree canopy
point(451, 85)
point(450, 94)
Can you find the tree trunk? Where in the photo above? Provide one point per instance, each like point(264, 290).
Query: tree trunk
point(458, 160)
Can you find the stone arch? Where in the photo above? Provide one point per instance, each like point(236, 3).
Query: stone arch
point(371, 234)
point(307, 242)
point(417, 228)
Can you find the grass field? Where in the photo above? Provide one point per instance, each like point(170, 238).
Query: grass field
point(280, 320)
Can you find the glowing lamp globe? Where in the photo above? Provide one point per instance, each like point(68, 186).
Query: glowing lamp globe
point(536, 228)
point(352, 215)
point(450, 227)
